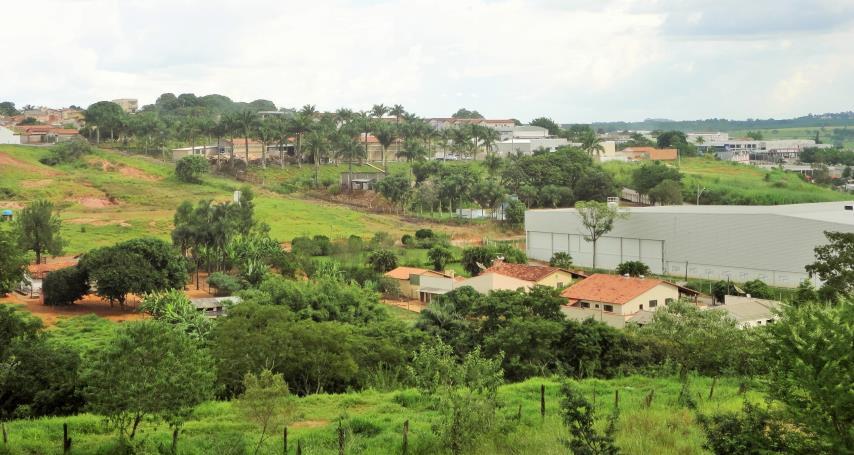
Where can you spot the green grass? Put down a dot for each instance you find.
(729, 183)
(375, 420)
(146, 194)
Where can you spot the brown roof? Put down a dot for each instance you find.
(614, 289)
(525, 272)
(653, 153)
(402, 273)
(40, 270)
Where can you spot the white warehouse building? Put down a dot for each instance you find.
(740, 243)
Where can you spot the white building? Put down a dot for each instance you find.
(8, 136)
(746, 150)
(529, 146)
(740, 243)
(748, 311)
(706, 137)
(522, 132)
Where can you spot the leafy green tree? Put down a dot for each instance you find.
(174, 307)
(547, 123)
(7, 108)
(753, 430)
(190, 168)
(835, 262)
(13, 262)
(266, 402)
(591, 143)
(38, 229)
(382, 260)
(755, 135)
(723, 288)
(465, 113)
(64, 286)
(649, 175)
(104, 115)
(598, 219)
(475, 257)
(580, 417)
(149, 369)
(810, 358)
(561, 260)
(245, 123)
(668, 192)
(67, 152)
(514, 214)
(758, 289)
(439, 256)
(633, 268)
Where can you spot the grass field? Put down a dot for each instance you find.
(732, 183)
(113, 197)
(373, 422)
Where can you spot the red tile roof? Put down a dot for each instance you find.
(613, 289)
(525, 272)
(653, 153)
(402, 273)
(40, 270)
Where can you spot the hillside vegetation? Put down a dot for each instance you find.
(729, 183)
(111, 197)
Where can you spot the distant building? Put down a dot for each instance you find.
(739, 243)
(214, 307)
(700, 138)
(749, 311)
(45, 134)
(529, 146)
(127, 104)
(422, 284)
(617, 300)
(441, 123)
(745, 150)
(541, 275)
(649, 154)
(7, 136)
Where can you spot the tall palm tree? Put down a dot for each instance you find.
(300, 125)
(246, 122)
(349, 149)
(319, 141)
(365, 127)
(397, 111)
(378, 110)
(386, 135)
(344, 115)
(489, 137)
(266, 133)
(309, 110)
(591, 143)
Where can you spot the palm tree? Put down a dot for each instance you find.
(365, 127)
(386, 135)
(397, 111)
(489, 136)
(266, 132)
(344, 115)
(247, 122)
(309, 110)
(318, 143)
(283, 135)
(300, 125)
(378, 110)
(349, 149)
(591, 143)
(413, 150)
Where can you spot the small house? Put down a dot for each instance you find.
(748, 311)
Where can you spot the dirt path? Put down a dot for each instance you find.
(90, 304)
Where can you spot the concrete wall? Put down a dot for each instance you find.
(488, 282)
(580, 314)
(8, 136)
(558, 279)
(660, 294)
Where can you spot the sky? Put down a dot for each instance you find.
(571, 60)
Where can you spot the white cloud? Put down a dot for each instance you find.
(574, 61)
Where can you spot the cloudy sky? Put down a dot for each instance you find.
(573, 60)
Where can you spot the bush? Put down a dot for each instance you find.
(754, 430)
(64, 286)
(324, 245)
(424, 234)
(190, 168)
(406, 239)
(224, 284)
(477, 255)
(381, 240)
(514, 214)
(723, 288)
(320, 245)
(67, 152)
(633, 268)
(439, 256)
(382, 260)
(758, 289)
(389, 286)
(561, 260)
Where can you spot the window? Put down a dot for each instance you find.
(653, 303)
(668, 301)
(597, 305)
(769, 321)
(584, 304)
(640, 307)
(609, 307)
(559, 284)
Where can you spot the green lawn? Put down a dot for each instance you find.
(730, 183)
(373, 422)
(112, 197)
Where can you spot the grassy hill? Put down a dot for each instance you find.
(731, 183)
(112, 197)
(373, 422)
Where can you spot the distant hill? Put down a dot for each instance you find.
(719, 124)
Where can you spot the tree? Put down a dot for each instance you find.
(64, 286)
(394, 187)
(67, 152)
(149, 369)
(7, 108)
(633, 268)
(38, 229)
(547, 123)
(810, 358)
(174, 307)
(591, 143)
(266, 402)
(514, 214)
(386, 135)
(561, 260)
(668, 192)
(723, 288)
(104, 115)
(317, 141)
(135, 266)
(13, 262)
(598, 219)
(649, 175)
(475, 257)
(466, 114)
(755, 135)
(579, 416)
(190, 168)
(439, 256)
(758, 289)
(834, 263)
(382, 260)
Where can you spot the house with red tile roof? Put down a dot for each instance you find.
(423, 284)
(542, 275)
(617, 300)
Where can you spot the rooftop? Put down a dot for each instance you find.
(525, 272)
(614, 289)
(747, 308)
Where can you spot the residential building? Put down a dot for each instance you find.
(522, 132)
(214, 307)
(529, 146)
(740, 243)
(617, 300)
(749, 311)
(127, 104)
(701, 138)
(542, 275)
(487, 282)
(746, 150)
(45, 134)
(422, 284)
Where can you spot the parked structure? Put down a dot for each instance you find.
(749, 311)
(617, 300)
(740, 243)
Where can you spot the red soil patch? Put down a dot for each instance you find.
(96, 202)
(11, 205)
(136, 173)
(6, 160)
(90, 304)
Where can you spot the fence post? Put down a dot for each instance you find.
(405, 437)
(543, 401)
(340, 439)
(616, 398)
(285, 440)
(299, 446)
(66, 442)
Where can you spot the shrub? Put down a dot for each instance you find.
(477, 255)
(723, 288)
(424, 234)
(67, 152)
(439, 256)
(406, 239)
(324, 245)
(381, 240)
(754, 430)
(561, 260)
(190, 168)
(633, 268)
(510, 253)
(758, 289)
(64, 286)
(382, 260)
(389, 286)
(225, 284)
(514, 214)
(306, 246)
